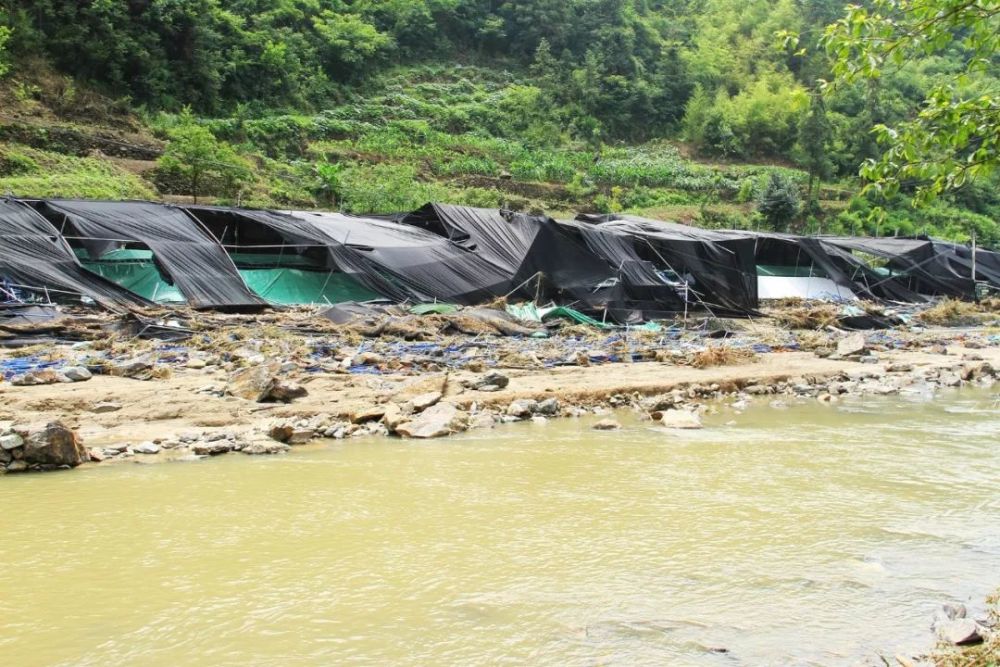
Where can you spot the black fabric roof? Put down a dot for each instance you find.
(522, 246)
(934, 268)
(721, 267)
(33, 255)
(183, 250)
(418, 265)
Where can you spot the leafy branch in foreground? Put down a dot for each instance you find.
(955, 137)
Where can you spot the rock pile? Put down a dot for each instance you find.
(40, 447)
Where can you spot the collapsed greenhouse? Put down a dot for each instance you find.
(129, 255)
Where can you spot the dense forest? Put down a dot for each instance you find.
(699, 109)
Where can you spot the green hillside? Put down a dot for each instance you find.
(694, 111)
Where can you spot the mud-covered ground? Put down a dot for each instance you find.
(263, 383)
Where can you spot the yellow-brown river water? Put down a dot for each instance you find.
(813, 535)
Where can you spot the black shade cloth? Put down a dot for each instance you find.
(409, 262)
(541, 257)
(928, 266)
(34, 255)
(186, 254)
(720, 268)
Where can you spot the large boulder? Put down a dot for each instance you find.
(434, 422)
(55, 444)
(263, 383)
(522, 408)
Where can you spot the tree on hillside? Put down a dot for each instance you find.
(4, 37)
(814, 138)
(196, 156)
(955, 137)
(778, 202)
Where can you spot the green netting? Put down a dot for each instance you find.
(295, 286)
(138, 276)
(790, 271)
(530, 313)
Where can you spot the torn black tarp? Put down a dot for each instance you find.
(413, 263)
(34, 258)
(543, 260)
(718, 268)
(185, 253)
(922, 265)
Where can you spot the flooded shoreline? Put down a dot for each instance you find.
(825, 537)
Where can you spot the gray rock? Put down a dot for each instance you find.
(490, 382)
(11, 441)
(369, 414)
(77, 373)
(146, 448)
(423, 401)
(853, 344)
(434, 422)
(55, 444)
(105, 406)
(680, 419)
(393, 416)
(253, 384)
(482, 420)
(522, 408)
(606, 425)
(264, 448)
(17, 466)
(949, 379)
(32, 378)
(301, 436)
(138, 368)
(549, 407)
(212, 448)
(286, 392)
(195, 363)
(960, 632)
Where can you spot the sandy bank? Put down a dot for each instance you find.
(192, 402)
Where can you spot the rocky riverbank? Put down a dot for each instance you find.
(261, 390)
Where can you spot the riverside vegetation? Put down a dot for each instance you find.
(697, 112)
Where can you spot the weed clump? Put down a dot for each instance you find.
(951, 313)
(722, 356)
(818, 316)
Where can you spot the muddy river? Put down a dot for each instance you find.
(808, 535)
